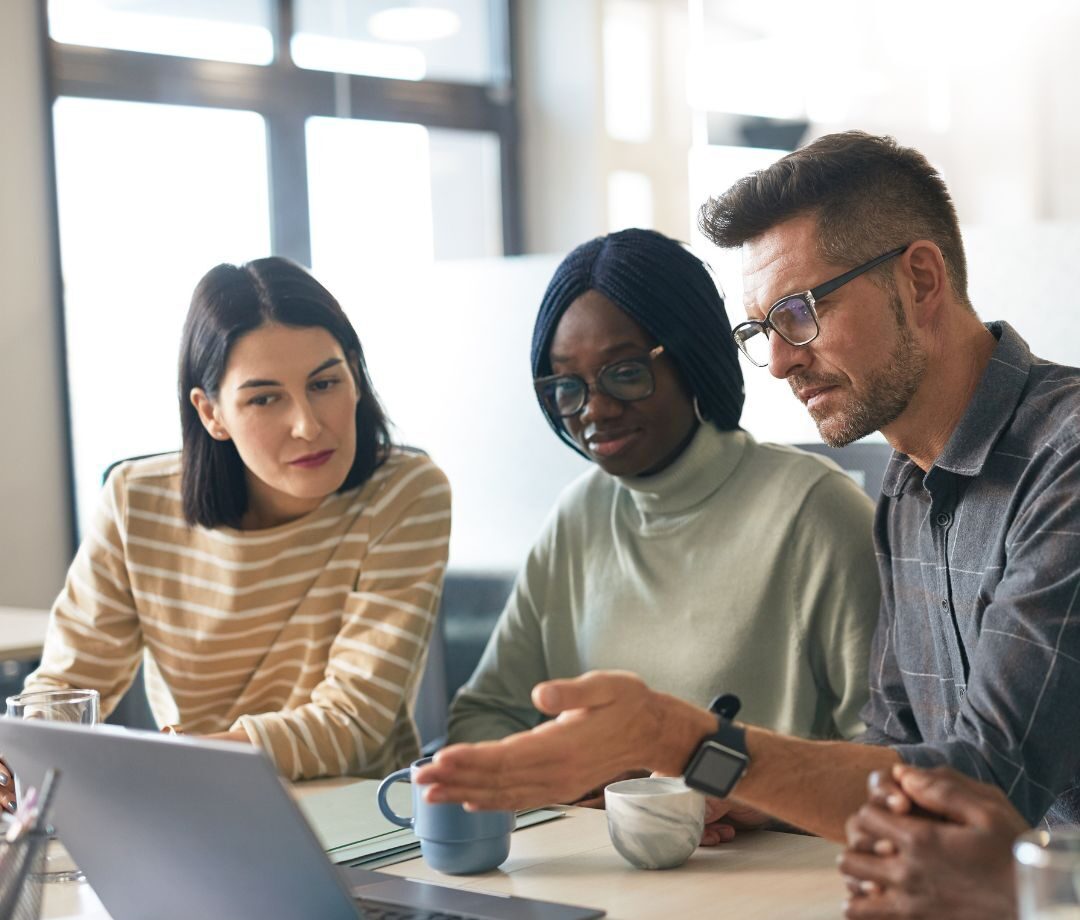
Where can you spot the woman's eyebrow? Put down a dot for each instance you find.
(328, 363)
(256, 382)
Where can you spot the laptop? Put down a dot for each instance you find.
(180, 827)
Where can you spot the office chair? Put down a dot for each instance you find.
(470, 607)
(133, 710)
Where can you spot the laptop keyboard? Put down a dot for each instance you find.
(378, 910)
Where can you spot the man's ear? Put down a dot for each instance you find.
(924, 272)
(208, 414)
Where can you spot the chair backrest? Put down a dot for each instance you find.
(112, 466)
(471, 604)
(133, 710)
(864, 462)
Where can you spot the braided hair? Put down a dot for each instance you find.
(671, 294)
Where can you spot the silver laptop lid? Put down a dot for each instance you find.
(174, 827)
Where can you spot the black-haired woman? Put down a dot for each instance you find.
(692, 555)
(279, 578)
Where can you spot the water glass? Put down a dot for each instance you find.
(1048, 874)
(75, 706)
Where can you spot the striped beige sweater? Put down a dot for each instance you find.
(310, 636)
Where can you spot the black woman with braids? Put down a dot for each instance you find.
(692, 555)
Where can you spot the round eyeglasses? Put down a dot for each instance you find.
(565, 395)
(794, 317)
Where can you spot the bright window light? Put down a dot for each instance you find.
(150, 197)
(414, 24)
(628, 70)
(343, 55)
(219, 30)
(630, 200)
(457, 40)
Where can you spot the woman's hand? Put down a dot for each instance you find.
(723, 817)
(7, 788)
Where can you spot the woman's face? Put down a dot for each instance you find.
(287, 400)
(624, 438)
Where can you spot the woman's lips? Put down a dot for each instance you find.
(609, 445)
(310, 461)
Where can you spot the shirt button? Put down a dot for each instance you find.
(944, 603)
(944, 520)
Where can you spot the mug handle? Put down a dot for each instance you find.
(384, 806)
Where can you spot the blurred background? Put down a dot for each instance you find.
(432, 161)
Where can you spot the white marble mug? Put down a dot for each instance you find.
(654, 822)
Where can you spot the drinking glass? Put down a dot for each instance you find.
(75, 706)
(1048, 874)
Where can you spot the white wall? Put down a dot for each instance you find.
(448, 352)
(33, 496)
(567, 153)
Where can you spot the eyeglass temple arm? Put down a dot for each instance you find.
(823, 290)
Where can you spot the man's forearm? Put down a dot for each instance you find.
(815, 785)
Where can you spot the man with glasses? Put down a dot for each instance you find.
(976, 658)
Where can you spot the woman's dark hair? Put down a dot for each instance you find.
(671, 294)
(229, 302)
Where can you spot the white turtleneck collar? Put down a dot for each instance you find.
(703, 466)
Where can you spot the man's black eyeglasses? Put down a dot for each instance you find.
(628, 380)
(794, 317)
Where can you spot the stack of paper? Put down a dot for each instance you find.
(354, 832)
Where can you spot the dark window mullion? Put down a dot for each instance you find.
(290, 222)
(513, 230)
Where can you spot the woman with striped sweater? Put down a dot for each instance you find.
(280, 576)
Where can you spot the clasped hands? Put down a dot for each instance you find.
(930, 844)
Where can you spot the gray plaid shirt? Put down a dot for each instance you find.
(976, 658)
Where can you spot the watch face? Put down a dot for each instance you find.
(716, 768)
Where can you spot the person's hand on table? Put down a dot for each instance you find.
(931, 843)
(7, 788)
(725, 817)
(605, 722)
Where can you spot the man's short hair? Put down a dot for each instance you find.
(868, 193)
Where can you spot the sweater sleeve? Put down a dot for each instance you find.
(838, 593)
(93, 640)
(497, 699)
(378, 654)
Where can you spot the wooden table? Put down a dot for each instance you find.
(22, 633)
(759, 876)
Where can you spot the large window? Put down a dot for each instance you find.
(356, 136)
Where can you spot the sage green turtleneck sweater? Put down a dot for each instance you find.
(741, 568)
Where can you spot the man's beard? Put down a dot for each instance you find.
(880, 400)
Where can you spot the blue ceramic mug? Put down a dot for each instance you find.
(452, 840)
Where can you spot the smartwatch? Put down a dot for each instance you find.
(720, 759)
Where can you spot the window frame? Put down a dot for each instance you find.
(285, 95)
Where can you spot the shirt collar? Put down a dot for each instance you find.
(706, 463)
(990, 410)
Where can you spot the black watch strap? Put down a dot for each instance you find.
(720, 759)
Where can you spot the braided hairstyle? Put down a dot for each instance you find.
(671, 294)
